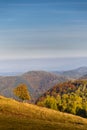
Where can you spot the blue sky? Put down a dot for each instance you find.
(32, 29)
(43, 28)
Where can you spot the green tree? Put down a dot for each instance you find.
(71, 103)
(50, 102)
(64, 102)
(74, 103)
(21, 92)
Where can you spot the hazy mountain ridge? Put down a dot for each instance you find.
(84, 77)
(73, 74)
(10, 73)
(38, 82)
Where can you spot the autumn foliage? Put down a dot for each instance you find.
(21, 92)
(70, 97)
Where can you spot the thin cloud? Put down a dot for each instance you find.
(47, 3)
(7, 19)
(67, 11)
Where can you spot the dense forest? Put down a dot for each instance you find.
(70, 97)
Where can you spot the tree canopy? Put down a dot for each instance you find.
(70, 97)
(21, 91)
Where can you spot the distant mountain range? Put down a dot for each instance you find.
(38, 82)
(10, 73)
(83, 77)
(73, 74)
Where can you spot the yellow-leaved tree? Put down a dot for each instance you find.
(21, 91)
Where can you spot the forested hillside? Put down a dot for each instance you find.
(70, 97)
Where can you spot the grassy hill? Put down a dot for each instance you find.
(22, 116)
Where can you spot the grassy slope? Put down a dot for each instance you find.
(23, 116)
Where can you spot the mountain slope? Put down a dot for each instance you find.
(38, 82)
(73, 74)
(16, 115)
(70, 97)
(84, 77)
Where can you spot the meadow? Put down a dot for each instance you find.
(23, 116)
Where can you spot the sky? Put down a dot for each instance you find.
(42, 29)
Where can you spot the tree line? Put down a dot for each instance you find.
(71, 99)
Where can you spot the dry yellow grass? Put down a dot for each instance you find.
(23, 116)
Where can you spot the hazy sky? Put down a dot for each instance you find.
(35, 34)
(43, 28)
